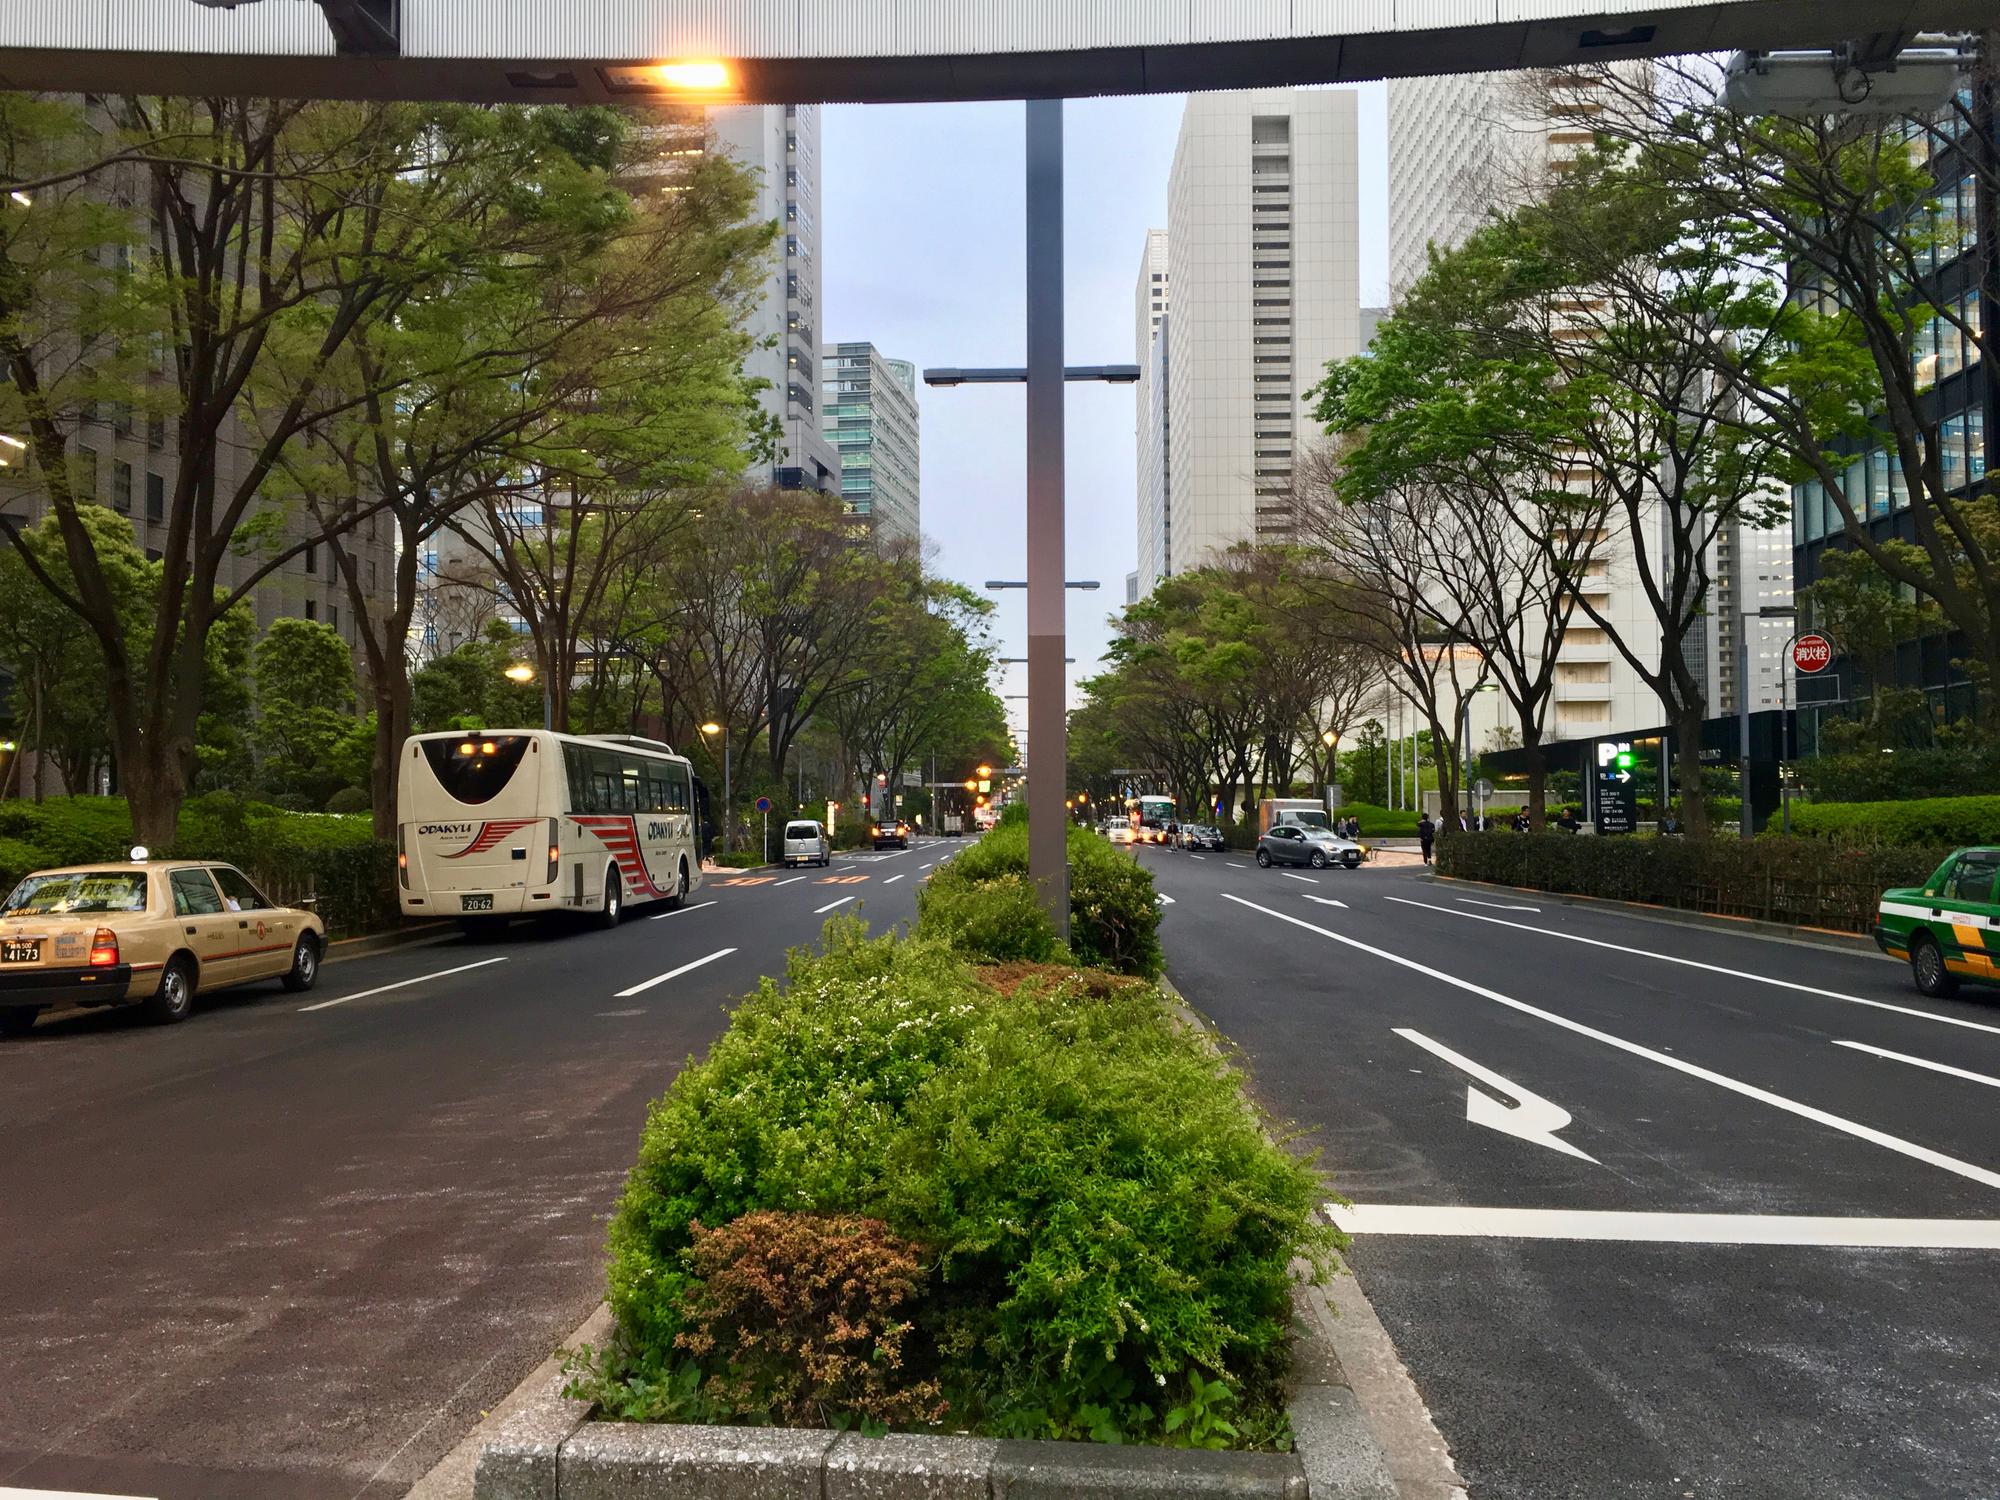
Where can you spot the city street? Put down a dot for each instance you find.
(1698, 1239)
(295, 1246)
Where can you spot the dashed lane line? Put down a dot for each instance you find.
(894, 878)
(1306, 878)
(783, 883)
(1855, 1128)
(1923, 1062)
(383, 989)
(646, 984)
(1692, 963)
(818, 910)
(680, 911)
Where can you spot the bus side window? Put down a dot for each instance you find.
(678, 797)
(576, 766)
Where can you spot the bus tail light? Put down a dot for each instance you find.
(402, 860)
(555, 851)
(104, 949)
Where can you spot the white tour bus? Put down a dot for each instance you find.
(518, 822)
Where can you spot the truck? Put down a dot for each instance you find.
(952, 825)
(1303, 811)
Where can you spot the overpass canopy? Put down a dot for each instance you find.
(595, 51)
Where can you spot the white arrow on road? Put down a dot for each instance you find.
(1163, 898)
(1533, 1119)
(1323, 900)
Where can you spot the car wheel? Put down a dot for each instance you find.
(1927, 965)
(1352, 861)
(18, 1020)
(304, 973)
(1264, 858)
(614, 900)
(174, 999)
(1318, 860)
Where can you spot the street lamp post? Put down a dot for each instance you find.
(728, 805)
(1048, 852)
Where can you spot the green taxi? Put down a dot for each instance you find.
(1949, 929)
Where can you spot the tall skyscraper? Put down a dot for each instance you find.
(1149, 318)
(868, 410)
(780, 142)
(1262, 263)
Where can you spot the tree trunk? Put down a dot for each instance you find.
(392, 727)
(154, 790)
(1687, 772)
(1538, 777)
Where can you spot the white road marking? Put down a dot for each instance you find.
(1234, 865)
(609, 1013)
(1496, 905)
(932, 863)
(832, 904)
(1854, 1128)
(13, 1494)
(647, 984)
(1923, 1062)
(680, 911)
(1533, 1119)
(1197, 856)
(793, 881)
(1670, 958)
(1669, 1228)
(894, 878)
(1163, 898)
(1324, 900)
(383, 989)
(1306, 878)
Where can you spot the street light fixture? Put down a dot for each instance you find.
(728, 803)
(523, 673)
(1744, 818)
(1014, 583)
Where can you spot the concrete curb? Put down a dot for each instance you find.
(1780, 932)
(382, 942)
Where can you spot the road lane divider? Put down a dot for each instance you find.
(894, 878)
(1694, 963)
(1290, 875)
(647, 984)
(1976, 1173)
(1232, 864)
(679, 911)
(402, 984)
(1324, 900)
(1667, 1228)
(1923, 1062)
(818, 910)
(783, 883)
(1197, 856)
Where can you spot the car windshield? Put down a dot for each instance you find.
(78, 893)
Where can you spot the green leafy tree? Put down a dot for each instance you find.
(469, 688)
(304, 676)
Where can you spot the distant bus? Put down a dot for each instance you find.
(1150, 817)
(526, 822)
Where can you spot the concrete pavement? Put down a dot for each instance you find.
(1703, 1123)
(292, 1248)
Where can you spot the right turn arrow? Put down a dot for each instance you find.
(1532, 1119)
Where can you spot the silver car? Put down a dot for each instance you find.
(806, 843)
(1293, 844)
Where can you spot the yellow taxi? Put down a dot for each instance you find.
(148, 933)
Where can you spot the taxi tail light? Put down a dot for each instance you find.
(402, 859)
(555, 852)
(104, 949)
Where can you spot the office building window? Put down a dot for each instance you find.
(333, 615)
(312, 609)
(86, 473)
(121, 486)
(156, 497)
(312, 557)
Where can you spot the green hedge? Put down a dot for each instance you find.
(1802, 882)
(1960, 772)
(1052, 1194)
(289, 855)
(1114, 916)
(1930, 821)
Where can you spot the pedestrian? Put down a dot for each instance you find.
(1521, 822)
(1426, 835)
(1567, 822)
(1670, 824)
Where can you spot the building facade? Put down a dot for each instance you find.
(780, 143)
(1262, 267)
(868, 411)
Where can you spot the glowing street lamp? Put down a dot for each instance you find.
(523, 673)
(728, 806)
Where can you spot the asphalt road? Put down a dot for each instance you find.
(292, 1248)
(1634, 1081)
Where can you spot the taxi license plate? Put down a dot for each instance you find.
(475, 903)
(12, 952)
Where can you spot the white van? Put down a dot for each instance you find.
(806, 843)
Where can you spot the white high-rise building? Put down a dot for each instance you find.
(780, 142)
(1461, 148)
(1263, 276)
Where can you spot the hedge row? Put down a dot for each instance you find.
(1964, 771)
(336, 859)
(1928, 821)
(1802, 882)
(906, 1191)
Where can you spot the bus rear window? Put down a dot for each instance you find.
(474, 769)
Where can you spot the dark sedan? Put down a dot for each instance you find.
(1198, 836)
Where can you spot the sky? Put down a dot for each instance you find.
(922, 255)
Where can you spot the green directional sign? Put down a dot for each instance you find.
(1615, 803)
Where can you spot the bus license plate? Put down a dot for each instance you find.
(29, 952)
(475, 903)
